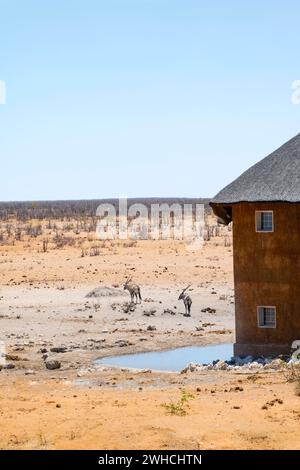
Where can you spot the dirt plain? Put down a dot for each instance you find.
(65, 291)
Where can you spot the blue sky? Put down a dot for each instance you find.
(142, 97)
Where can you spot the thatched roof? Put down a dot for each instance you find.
(275, 178)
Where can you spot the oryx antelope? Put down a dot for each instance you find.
(134, 291)
(186, 300)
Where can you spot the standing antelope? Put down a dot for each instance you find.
(186, 300)
(134, 291)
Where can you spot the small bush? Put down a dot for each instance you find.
(181, 407)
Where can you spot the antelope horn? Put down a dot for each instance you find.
(187, 288)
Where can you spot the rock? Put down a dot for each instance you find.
(276, 364)
(149, 313)
(43, 350)
(255, 366)
(60, 349)
(105, 292)
(9, 366)
(12, 357)
(121, 343)
(128, 307)
(209, 309)
(221, 365)
(191, 367)
(151, 328)
(260, 360)
(52, 364)
(168, 310)
(293, 363)
(241, 361)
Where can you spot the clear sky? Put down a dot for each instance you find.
(109, 98)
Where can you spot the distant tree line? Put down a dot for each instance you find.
(28, 210)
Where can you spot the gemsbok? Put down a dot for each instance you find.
(134, 291)
(186, 300)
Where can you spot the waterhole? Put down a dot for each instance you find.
(172, 359)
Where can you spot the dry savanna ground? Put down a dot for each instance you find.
(62, 299)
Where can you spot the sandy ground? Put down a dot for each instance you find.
(226, 411)
(44, 304)
(44, 301)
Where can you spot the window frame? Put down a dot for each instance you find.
(257, 230)
(258, 316)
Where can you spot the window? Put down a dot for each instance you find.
(266, 317)
(264, 221)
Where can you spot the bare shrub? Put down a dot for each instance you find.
(291, 373)
(33, 231)
(130, 244)
(61, 240)
(68, 227)
(18, 234)
(95, 250)
(227, 241)
(45, 245)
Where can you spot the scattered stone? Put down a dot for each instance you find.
(151, 328)
(60, 349)
(122, 343)
(267, 405)
(236, 389)
(243, 364)
(12, 357)
(191, 367)
(9, 366)
(276, 364)
(169, 311)
(221, 365)
(239, 361)
(52, 364)
(128, 307)
(209, 309)
(149, 313)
